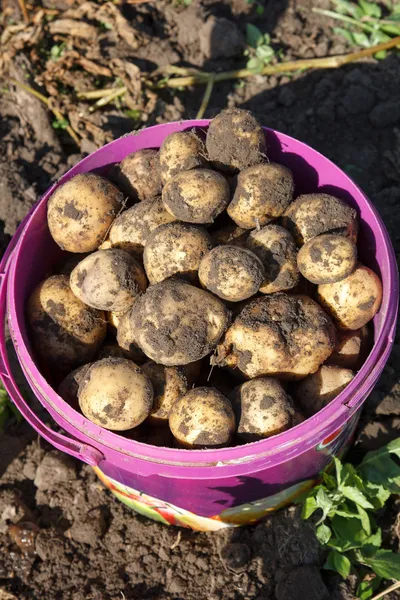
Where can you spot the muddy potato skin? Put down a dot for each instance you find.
(132, 227)
(317, 390)
(169, 383)
(181, 151)
(235, 140)
(202, 418)
(81, 211)
(108, 280)
(327, 258)
(313, 214)
(113, 319)
(65, 332)
(277, 251)
(196, 196)
(175, 249)
(353, 301)
(231, 272)
(351, 348)
(262, 409)
(175, 323)
(126, 338)
(68, 388)
(231, 234)
(262, 194)
(138, 175)
(116, 394)
(281, 335)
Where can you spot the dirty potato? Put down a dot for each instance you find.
(169, 383)
(327, 258)
(181, 151)
(138, 175)
(317, 390)
(351, 348)
(68, 388)
(126, 338)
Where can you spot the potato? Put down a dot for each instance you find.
(175, 249)
(138, 175)
(126, 338)
(108, 280)
(169, 383)
(68, 388)
(262, 194)
(280, 335)
(235, 140)
(175, 323)
(262, 408)
(116, 394)
(312, 214)
(65, 332)
(196, 196)
(353, 301)
(351, 348)
(202, 418)
(181, 151)
(132, 228)
(277, 251)
(81, 211)
(113, 319)
(317, 390)
(327, 258)
(231, 234)
(231, 272)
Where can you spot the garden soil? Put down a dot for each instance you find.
(62, 535)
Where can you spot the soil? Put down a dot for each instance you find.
(72, 539)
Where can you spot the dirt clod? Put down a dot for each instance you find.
(54, 469)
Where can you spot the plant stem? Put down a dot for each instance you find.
(95, 94)
(107, 99)
(206, 98)
(393, 587)
(47, 102)
(22, 6)
(345, 18)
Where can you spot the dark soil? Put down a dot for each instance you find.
(73, 539)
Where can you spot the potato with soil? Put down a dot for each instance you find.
(317, 390)
(280, 335)
(175, 323)
(262, 194)
(231, 272)
(277, 251)
(235, 140)
(113, 319)
(175, 249)
(116, 394)
(138, 175)
(132, 228)
(262, 409)
(202, 418)
(126, 338)
(68, 388)
(181, 151)
(353, 301)
(196, 196)
(65, 332)
(351, 348)
(230, 234)
(313, 214)
(327, 258)
(81, 211)
(108, 280)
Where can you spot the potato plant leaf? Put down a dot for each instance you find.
(378, 467)
(253, 35)
(338, 562)
(385, 563)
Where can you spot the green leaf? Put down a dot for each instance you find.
(323, 534)
(266, 53)
(338, 470)
(370, 9)
(380, 55)
(378, 467)
(309, 507)
(323, 502)
(338, 562)
(385, 563)
(365, 522)
(344, 33)
(361, 39)
(367, 588)
(253, 35)
(255, 64)
(356, 496)
(329, 481)
(348, 8)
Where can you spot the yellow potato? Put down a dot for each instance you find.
(351, 348)
(126, 338)
(317, 390)
(327, 258)
(81, 211)
(181, 151)
(113, 319)
(138, 175)
(169, 383)
(231, 234)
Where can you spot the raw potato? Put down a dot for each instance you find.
(312, 214)
(138, 175)
(235, 140)
(262, 409)
(277, 251)
(196, 196)
(320, 388)
(231, 234)
(81, 211)
(353, 301)
(280, 335)
(169, 383)
(263, 193)
(116, 394)
(68, 388)
(126, 338)
(132, 228)
(175, 249)
(181, 151)
(231, 272)
(327, 258)
(65, 332)
(351, 347)
(113, 319)
(175, 323)
(108, 280)
(202, 418)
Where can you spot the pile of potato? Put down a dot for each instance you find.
(204, 305)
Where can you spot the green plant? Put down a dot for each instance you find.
(7, 409)
(349, 500)
(60, 124)
(363, 22)
(57, 51)
(258, 6)
(259, 50)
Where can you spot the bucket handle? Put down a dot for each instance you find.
(71, 446)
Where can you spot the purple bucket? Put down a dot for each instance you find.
(207, 489)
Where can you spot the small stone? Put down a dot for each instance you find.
(221, 38)
(177, 585)
(235, 556)
(302, 582)
(385, 114)
(54, 469)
